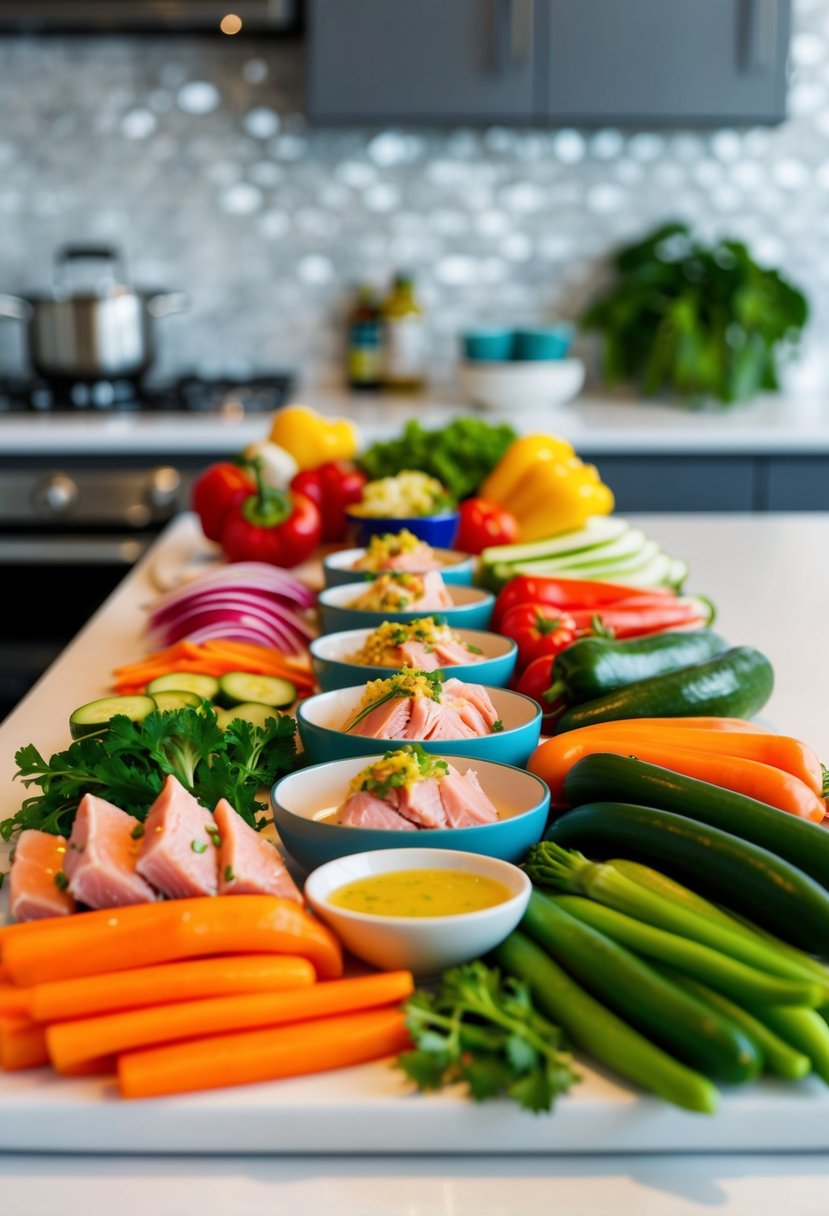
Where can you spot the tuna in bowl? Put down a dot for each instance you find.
(403, 597)
(419, 707)
(341, 660)
(396, 551)
(454, 803)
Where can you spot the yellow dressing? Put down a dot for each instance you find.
(421, 893)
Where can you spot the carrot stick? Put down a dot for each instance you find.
(145, 934)
(171, 982)
(22, 1044)
(70, 1043)
(263, 1055)
(15, 1001)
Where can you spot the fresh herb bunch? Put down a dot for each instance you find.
(460, 455)
(128, 763)
(482, 1030)
(696, 320)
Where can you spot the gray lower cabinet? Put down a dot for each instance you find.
(795, 483)
(679, 483)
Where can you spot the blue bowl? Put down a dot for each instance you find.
(300, 799)
(328, 653)
(551, 343)
(439, 530)
(337, 569)
(319, 720)
(489, 345)
(471, 609)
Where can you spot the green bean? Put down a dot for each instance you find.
(803, 1029)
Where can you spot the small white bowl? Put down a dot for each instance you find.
(517, 387)
(424, 945)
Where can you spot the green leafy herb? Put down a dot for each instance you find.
(61, 881)
(229, 875)
(213, 833)
(128, 763)
(3, 876)
(497, 726)
(198, 846)
(460, 455)
(138, 831)
(700, 321)
(482, 1030)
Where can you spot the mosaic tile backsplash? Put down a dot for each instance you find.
(193, 156)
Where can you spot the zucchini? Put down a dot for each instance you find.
(602, 530)
(735, 684)
(176, 698)
(93, 717)
(594, 666)
(625, 779)
(205, 687)
(242, 688)
(255, 714)
(743, 876)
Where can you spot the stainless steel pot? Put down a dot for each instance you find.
(101, 332)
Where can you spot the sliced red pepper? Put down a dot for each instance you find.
(220, 488)
(484, 523)
(538, 629)
(568, 593)
(275, 526)
(632, 619)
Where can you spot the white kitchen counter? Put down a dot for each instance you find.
(770, 579)
(598, 425)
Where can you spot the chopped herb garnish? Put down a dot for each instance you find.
(138, 831)
(400, 767)
(229, 875)
(3, 876)
(497, 726)
(198, 846)
(61, 881)
(473, 649)
(213, 833)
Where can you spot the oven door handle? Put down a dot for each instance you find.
(73, 550)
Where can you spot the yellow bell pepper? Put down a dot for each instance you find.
(311, 438)
(548, 489)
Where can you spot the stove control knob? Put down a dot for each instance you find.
(163, 488)
(54, 496)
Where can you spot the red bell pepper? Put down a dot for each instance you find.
(220, 488)
(484, 523)
(569, 593)
(538, 629)
(280, 527)
(332, 487)
(536, 680)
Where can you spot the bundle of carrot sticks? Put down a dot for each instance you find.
(191, 994)
(213, 658)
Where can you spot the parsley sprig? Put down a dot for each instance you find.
(483, 1031)
(128, 762)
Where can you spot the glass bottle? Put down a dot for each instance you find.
(404, 338)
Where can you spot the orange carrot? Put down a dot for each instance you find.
(145, 934)
(263, 1055)
(171, 982)
(70, 1043)
(22, 1044)
(15, 1001)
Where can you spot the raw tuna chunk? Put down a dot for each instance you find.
(434, 720)
(451, 654)
(248, 863)
(101, 857)
(366, 810)
(178, 855)
(386, 721)
(419, 657)
(435, 593)
(415, 561)
(33, 893)
(421, 803)
(471, 717)
(476, 694)
(464, 802)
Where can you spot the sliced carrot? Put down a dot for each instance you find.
(171, 982)
(15, 1001)
(22, 1044)
(263, 1055)
(101, 1066)
(70, 1043)
(145, 934)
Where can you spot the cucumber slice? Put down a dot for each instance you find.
(176, 698)
(601, 530)
(93, 717)
(251, 712)
(242, 688)
(677, 573)
(629, 546)
(205, 687)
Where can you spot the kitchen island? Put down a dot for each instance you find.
(770, 582)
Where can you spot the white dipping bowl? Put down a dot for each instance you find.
(517, 387)
(424, 945)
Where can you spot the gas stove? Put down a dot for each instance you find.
(227, 396)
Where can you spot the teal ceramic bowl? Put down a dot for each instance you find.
(488, 345)
(471, 609)
(494, 667)
(437, 530)
(301, 801)
(320, 718)
(551, 343)
(337, 568)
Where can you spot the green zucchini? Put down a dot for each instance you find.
(256, 715)
(736, 684)
(624, 779)
(205, 687)
(592, 667)
(95, 715)
(244, 688)
(746, 878)
(176, 698)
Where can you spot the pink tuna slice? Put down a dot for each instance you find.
(33, 893)
(416, 561)
(386, 721)
(476, 694)
(101, 857)
(433, 720)
(464, 802)
(366, 810)
(451, 654)
(248, 863)
(421, 803)
(419, 657)
(435, 594)
(470, 716)
(178, 854)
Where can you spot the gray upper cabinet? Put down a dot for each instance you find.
(683, 62)
(582, 62)
(434, 61)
